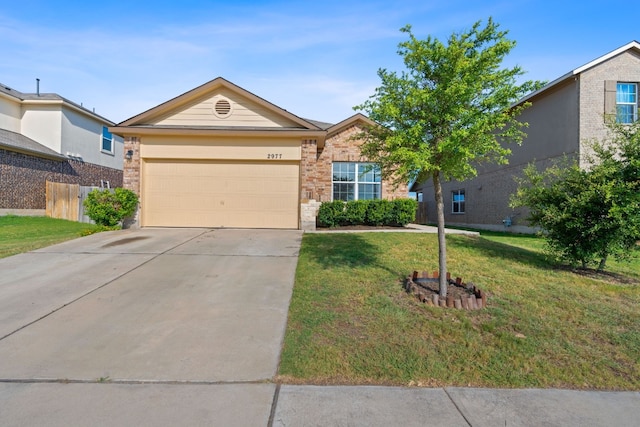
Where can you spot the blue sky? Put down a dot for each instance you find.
(315, 59)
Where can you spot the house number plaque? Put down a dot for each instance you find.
(274, 156)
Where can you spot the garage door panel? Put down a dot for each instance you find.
(220, 194)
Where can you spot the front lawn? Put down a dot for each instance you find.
(350, 322)
(26, 233)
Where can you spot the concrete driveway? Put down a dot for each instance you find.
(177, 308)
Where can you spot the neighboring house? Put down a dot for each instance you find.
(564, 115)
(220, 156)
(45, 137)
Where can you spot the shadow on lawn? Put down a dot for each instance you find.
(354, 250)
(341, 250)
(506, 251)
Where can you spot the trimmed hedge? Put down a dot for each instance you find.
(398, 213)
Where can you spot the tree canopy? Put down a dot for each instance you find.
(450, 109)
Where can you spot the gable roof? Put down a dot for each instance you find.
(13, 141)
(355, 119)
(633, 45)
(144, 118)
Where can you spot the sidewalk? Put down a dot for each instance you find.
(42, 403)
(451, 406)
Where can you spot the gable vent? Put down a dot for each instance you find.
(222, 108)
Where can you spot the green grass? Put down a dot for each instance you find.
(20, 234)
(350, 322)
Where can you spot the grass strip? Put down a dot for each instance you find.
(20, 234)
(350, 322)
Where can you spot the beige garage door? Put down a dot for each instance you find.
(220, 194)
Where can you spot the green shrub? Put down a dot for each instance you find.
(399, 212)
(403, 212)
(378, 212)
(355, 212)
(109, 207)
(331, 214)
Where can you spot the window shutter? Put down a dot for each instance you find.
(610, 87)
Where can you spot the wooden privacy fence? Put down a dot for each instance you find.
(65, 201)
(421, 213)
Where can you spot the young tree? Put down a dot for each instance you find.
(448, 111)
(589, 214)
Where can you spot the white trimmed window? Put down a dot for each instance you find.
(356, 181)
(626, 102)
(107, 141)
(457, 202)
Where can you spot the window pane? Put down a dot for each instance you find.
(107, 139)
(368, 173)
(343, 192)
(626, 93)
(457, 201)
(345, 172)
(625, 113)
(368, 191)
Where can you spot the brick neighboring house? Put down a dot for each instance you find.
(564, 115)
(45, 137)
(220, 156)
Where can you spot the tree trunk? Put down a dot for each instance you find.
(442, 243)
(603, 264)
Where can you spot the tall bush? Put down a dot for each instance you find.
(109, 207)
(589, 214)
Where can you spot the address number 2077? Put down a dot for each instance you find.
(273, 156)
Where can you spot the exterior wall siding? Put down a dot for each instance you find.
(244, 113)
(82, 136)
(622, 68)
(23, 177)
(10, 113)
(43, 123)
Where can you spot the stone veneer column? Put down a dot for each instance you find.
(131, 175)
(308, 204)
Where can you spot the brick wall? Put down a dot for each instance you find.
(131, 176)
(23, 177)
(131, 168)
(342, 147)
(308, 171)
(487, 199)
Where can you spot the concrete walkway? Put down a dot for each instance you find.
(184, 327)
(410, 228)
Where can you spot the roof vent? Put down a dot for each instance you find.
(222, 108)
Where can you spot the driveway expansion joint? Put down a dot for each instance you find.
(274, 406)
(457, 407)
